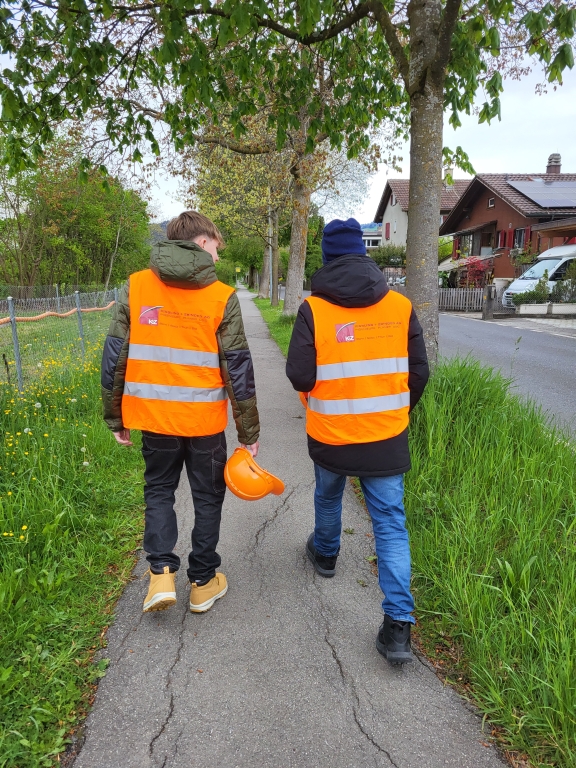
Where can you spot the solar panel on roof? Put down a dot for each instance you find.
(548, 194)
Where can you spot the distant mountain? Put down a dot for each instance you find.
(158, 231)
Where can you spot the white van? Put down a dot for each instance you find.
(555, 261)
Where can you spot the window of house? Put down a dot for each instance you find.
(394, 225)
(502, 238)
(486, 243)
(465, 246)
(519, 237)
(491, 202)
(393, 199)
(387, 231)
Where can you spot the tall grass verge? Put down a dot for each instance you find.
(70, 515)
(491, 504)
(491, 508)
(279, 325)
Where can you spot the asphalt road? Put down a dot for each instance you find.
(282, 289)
(540, 361)
(283, 671)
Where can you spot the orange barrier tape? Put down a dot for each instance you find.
(4, 320)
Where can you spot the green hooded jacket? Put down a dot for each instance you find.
(184, 264)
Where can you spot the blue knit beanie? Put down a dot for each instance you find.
(340, 238)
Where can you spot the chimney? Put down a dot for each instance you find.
(449, 172)
(554, 163)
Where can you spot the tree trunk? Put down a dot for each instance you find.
(298, 241)
(264, 292)
(252, 277)
(275, 257)
(426, 110)
(113, 258)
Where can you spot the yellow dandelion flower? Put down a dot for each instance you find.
(24, 527)
(9, 493)
(22, 538)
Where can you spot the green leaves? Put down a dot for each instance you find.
(491, 109)
(492, 41)
(10, 104)
(310, 12)
(564, 59)
(457, 158)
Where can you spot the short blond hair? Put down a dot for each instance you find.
(190, 224)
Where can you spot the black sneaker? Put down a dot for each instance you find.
(325, 566)
(393, 641)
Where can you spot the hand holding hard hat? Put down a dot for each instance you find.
(247, 480)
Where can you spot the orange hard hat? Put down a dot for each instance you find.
(247, 479)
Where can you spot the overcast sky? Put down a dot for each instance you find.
(532, 127)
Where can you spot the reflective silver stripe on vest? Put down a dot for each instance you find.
(173, 393)
(359, 405)
(333, 371)
(157, 354)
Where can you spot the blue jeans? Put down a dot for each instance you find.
(384, 499)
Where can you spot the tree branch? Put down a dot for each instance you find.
(360, 12)
(233, 146)
(389, 32)
(447, 27)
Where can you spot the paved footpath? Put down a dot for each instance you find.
(283, 671)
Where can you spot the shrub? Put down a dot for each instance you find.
(565, 290)
(389, 255)
(226, 271)
(539, 295)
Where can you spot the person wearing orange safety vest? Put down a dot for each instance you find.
(358, 357)
(175, 354)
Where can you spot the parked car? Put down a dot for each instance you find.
(555, 261)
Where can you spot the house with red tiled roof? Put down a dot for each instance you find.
(392, 212)
(498, 216)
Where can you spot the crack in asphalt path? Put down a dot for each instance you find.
(269, 520)
(260, 534)
(170, 712)
(347, 680)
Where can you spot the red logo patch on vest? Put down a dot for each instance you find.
(149, 315)
(345, 332)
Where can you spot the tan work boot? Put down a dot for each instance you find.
(203, 598)
(161, 592)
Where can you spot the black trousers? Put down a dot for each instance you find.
(204, 458)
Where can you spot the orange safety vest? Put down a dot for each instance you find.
(173, 383)
(361, 393)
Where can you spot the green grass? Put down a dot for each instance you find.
(491, 508)
(50, 343)
(491, 504)
(279, 325)
(70, 517)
